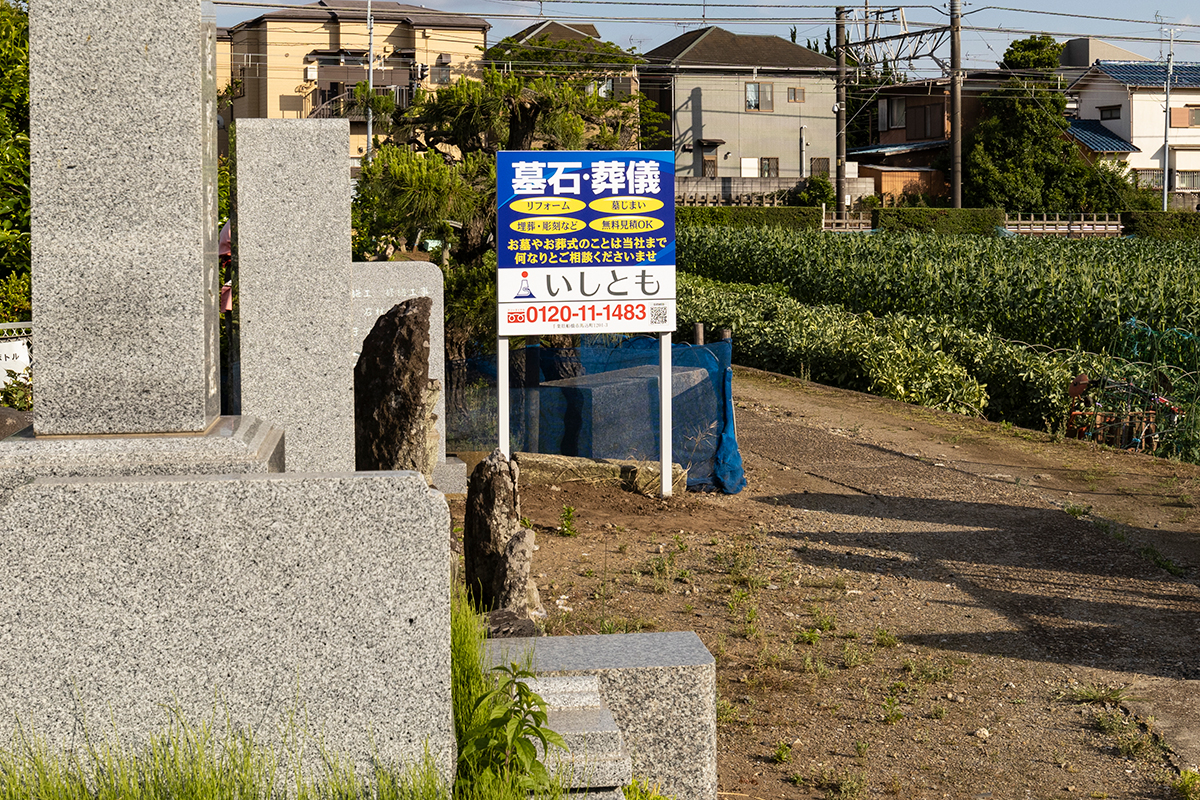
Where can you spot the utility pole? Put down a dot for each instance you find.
(370, 76)
(840, 110)
(956, 102)
(1166, 159)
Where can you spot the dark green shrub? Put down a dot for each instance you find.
(1161, 224)
(980, 221)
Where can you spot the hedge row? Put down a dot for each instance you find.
(1161, 224)
(979, 221)
(749, 216)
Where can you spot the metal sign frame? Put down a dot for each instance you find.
(586, 244)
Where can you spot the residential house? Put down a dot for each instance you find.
(912, 120)
(304, 61)
(1122, 105)
(754, 112)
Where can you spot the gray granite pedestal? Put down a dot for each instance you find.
(231, 445)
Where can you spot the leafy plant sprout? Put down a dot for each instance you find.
(566, 521)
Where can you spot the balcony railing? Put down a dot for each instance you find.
(344, 106)
(1182, 180)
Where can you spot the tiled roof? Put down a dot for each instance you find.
(558, 31)
(381, 10)
(1151, 73)
(896, 149)
(1092, 134)
(717, 47)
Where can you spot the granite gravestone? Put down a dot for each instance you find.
(123, 176)
(294, 267)
(321, 595)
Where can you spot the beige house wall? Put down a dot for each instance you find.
(270, 58)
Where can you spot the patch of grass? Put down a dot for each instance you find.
(1151, 554)
(823, 621)
(928, 672)
(1077, 511)
(885, 638)
(861, 749)
(839, 785)
(726, 713)
(891, 710)
(1096, 694)
(1187, 785)
(853, 657)
(783, 753)
(815, 666)
(640, 789)
(937, 712)
(566, 522)
(807, 636)
(736, 598)
(1132, 741)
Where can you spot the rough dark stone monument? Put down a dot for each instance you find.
(394, 398)
(497, 550)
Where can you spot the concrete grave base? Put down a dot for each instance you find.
(661, 689)
(231, 445)
(450, 476)
(323, 598)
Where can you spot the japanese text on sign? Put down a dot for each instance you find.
(590, 228)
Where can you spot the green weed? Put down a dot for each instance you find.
(566, 521)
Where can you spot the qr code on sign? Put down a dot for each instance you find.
(658, 315)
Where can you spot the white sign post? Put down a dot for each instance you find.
(586, 244)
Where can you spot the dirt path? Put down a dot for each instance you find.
(900, 602)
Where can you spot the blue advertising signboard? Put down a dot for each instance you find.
(586, 241)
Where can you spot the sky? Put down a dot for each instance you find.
(987, 29)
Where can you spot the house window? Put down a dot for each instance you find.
(895, 112)
(1194, 116)
(818, 166)
(1110, 112)
(710, 165)
(795, 94)
(926, 122)
(768, 168)
(439, 74)
(760, 97)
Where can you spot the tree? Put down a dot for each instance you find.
(14, 141)
(1019, 158)
(1036, 52)
(406, 194)
(536, 95)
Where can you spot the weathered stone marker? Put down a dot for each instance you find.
(497, 549)
(394, 398)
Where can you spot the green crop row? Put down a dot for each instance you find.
(1073, 294)
(926, 361)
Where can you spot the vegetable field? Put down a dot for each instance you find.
(1075, 294)
(987, 327)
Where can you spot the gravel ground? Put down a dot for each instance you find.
(907, 603)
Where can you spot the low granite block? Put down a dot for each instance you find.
(319, 598)
(450, 476)
(294, 267)
(232, 445)
(661, 690)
